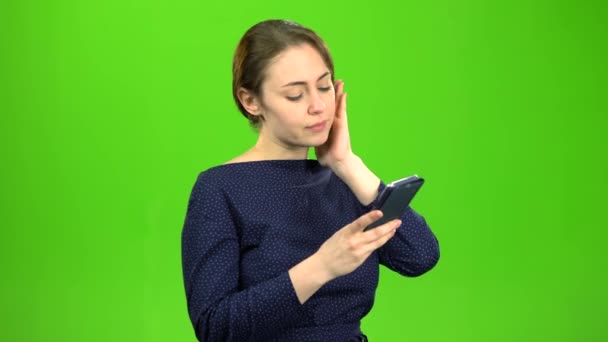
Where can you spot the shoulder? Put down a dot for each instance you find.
(208, 197)
(227, 175)
(247, 156)
(239, 159)
(227, 180)
(210, 182)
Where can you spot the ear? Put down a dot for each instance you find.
(249, 101)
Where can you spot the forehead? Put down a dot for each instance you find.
(298, 63)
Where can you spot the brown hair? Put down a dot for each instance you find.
(260, 44)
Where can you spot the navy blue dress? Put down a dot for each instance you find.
(248, 223)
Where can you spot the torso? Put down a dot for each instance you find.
(283, 211)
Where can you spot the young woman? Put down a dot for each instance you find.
(273, 244)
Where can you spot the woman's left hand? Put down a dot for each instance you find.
(336, 150)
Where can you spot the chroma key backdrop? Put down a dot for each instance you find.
(110, 109)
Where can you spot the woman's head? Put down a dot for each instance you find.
(283, 77)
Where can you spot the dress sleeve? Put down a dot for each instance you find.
(414, 249)
(218, 308)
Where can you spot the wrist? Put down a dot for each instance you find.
(361, 180)
(309, 276)
(319, 270)
(346, 166)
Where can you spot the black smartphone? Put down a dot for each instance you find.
(395, 198)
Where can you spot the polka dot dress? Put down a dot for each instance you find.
(248, 223)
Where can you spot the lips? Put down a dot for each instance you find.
(319, 126)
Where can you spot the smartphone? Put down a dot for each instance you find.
(395, 198)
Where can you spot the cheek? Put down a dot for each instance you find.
(330, 103)
(285, 116)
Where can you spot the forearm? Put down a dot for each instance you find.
(414, 249)
(307, 277)
(361, 180)
(255, 313)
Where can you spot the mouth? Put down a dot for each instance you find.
(319, 126)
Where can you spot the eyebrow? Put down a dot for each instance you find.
(302, 82)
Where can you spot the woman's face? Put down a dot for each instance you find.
(298, 99)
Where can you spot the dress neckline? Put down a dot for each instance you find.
(275, 172)
(289, 163)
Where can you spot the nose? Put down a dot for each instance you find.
(317, 106)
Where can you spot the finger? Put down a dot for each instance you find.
(338, 86)
(365, 220)
(384, 233)
(341, 106)
(380, 242)
(382, 230)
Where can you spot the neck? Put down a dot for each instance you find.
(269, 149)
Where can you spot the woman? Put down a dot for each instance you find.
(273, 245)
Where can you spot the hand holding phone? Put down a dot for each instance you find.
(395, 198)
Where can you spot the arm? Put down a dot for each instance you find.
(414, 249)
(361, 180)
(218, 309)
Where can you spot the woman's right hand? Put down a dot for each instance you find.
(350, 246)
(341, 254)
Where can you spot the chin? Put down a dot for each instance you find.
(318, 141)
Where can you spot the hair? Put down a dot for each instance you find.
(256, 50)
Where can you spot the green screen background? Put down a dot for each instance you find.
(109, 110)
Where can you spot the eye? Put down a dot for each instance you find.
(294, 98)
(325, 89)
